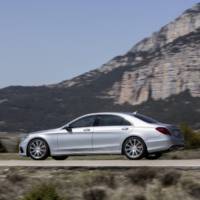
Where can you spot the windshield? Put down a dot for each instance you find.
(144, 118)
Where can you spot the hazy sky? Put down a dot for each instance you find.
(47, 41)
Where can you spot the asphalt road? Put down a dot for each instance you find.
(101, 163)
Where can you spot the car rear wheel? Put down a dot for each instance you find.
(59, 157)
(38, 149)
(134, 148)
(153, 156)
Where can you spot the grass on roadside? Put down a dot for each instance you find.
(99, 184)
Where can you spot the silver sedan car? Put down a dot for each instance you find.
(131, 134)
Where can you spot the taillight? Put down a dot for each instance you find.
(163, 130)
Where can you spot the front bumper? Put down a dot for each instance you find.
(23, 149)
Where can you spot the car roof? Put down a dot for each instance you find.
(108, 113)
(127, 115)
(130, 116)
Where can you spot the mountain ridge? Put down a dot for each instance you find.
(160, 80)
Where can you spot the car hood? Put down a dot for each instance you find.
(49, 131)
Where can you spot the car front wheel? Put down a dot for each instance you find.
(38, 149)
(134, 148)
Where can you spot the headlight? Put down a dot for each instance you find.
(23, 137)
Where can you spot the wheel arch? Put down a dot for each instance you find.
(136, 136)
(41, 138)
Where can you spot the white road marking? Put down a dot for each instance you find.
(101, 163)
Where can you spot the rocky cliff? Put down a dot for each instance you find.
(169, 64)
(173, 69)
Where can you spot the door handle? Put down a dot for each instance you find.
(124, 129)
(86, 130)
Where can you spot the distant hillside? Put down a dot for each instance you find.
(159, 76)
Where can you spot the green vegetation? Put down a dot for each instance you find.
(43, 191)
(191, 187)
(28, 183)
(170, 178)
(9, 142)
(2, 148)
(14, 177)
(192, 138)
(141, 177)
(95, 193)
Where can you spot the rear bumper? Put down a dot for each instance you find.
(166, 144)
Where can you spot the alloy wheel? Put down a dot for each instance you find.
(134, 148)
(38, 149)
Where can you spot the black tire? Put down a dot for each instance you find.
(59, 157)
(153, 156)
(45, 147)
(130, 154)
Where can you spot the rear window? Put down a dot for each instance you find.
(144, 118)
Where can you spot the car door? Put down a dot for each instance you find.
(107, 133)
(78, 138)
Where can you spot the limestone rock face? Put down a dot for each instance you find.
(174, 65)
(162, 77)
(188, 22)
(162, 65)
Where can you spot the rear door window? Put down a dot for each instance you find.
(110, 120)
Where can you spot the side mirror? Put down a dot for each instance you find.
(68, 128)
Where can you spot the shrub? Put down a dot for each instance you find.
(42, 192)
(139, 197)
(142, 176)
(2, 148)
(16, 149)
(104, 179)
(95, 193)
(191, 187)
(192, 139)
(170, 178)
(15, 178)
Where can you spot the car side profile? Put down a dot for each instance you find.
(131, 134)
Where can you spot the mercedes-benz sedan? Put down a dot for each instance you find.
(131, 134)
